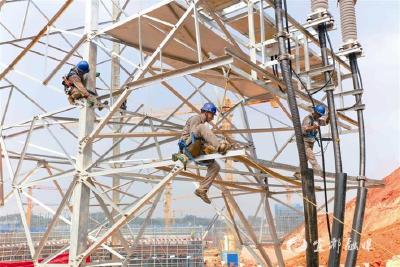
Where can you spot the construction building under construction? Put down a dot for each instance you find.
(264, 69)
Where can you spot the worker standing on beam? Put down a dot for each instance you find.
(198, 139)
(310, 125)
(74, 88)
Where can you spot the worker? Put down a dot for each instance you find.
(74, 88)
(73, 83)
(198, 139)
(310, 125)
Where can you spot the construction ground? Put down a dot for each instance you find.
(103, 173)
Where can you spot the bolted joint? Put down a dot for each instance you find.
(281, 34)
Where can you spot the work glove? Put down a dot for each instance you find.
(223, 147)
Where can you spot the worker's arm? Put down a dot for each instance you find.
(307, 126)
(324, 120)
(79, 85)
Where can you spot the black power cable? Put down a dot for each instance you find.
(361, 84)
(319, 140)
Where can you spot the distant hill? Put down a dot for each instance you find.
(381, 227)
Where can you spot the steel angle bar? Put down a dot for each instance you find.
(100, 195)
(205, 65)
(243, 233)
(7, 158)
(64, 60)
(219, 182)
(4, 113)
(140, 148)
(116, 188)
(147, 219)
(132, 211)
(247, 226)
(232, 217)
(54, 220)
(124, 95)
(27, 140)
(311, 36)
(61, 146)
(176, 133)
(63, 174)
(163, 163)
(117, 142)
(24, 221)
(36, 38)
(50, 33)
(29, 174)
(134, 16)
(40, 116)
(102, 202)
(45, 261)
(65, 220)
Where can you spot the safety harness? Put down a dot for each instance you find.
(313, 133)
(67, 83)
(192, 148)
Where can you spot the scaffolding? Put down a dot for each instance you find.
(162, 53)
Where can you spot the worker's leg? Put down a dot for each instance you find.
(75, 94)
(70, 100)
(212, 172)
(203, 131)
(311, 156)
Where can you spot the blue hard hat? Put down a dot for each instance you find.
(83, 66)
(320, 109)
(209, 107)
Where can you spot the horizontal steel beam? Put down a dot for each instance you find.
(163, 163)
(170, 133)
(205, 65)
(35, 39)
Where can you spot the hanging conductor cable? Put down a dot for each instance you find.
(307, 176)
(352, 49)
(319, 10)
(319, 137)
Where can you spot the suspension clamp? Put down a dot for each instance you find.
(329, 88)
(361, 178)
(320, 17)
(286, 56)
(351, 48)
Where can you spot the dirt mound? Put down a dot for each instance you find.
(380, 239)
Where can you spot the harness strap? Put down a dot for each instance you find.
(183, 148)
(313, 133)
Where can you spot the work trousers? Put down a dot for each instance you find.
(212, 173)
(311, 156)
(213, 168)
(75, 95)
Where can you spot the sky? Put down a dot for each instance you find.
(378, 32)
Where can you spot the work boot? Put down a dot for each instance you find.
(182, 158)
(203, 195)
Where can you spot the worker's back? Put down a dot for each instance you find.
(191, 123)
